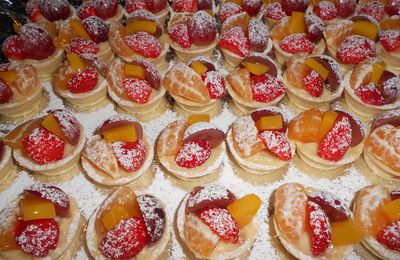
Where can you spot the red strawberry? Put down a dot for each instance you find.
(130, 155)
(5, 92)
(337, 141)
(266, 88)
(37, 237)
(325, 10)
(228, 9)
(84, 81)
(126, 240)
(43, 147)
(182, 6)
(390, 40)
(137, 90)
(274, 11)
(390, 236)
(85, 10)
(193, 154)
(179, 33)
(355, 49)
(370, 94)
(80, 46)
(32, 10)
(374, 9)
(236, 41)
(320, 229)
(221, 222)
(133, 5)
(96, 28)
(144, 44)
(297, 42)
(156, 6)
(12, 48)
(215, 84)
(313, 83)
(277, 143)
(105, 9)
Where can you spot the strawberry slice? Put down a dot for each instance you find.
(236, 41)
(390, 236)
(193, 154)
(370, 94)
(297, 42)
(85, 10)
(215, 84)
(133, 5)
(227, 10)
(266, 88)
(179, 33)
(13, 48)
(390, 40)
(37, 237)
(43, 147)
(32, 10)
(374, 9)
(274, 11)
(144, 44)
(337, 141)
(182, 6)
(355, 49)
(320, 229)
(313, 83)
(130, 155)
(5, 92)
(221, 222)
(81, 46)
(137, 90)
(84, 81)
(126, 240)
(277, 143)
(325, 10)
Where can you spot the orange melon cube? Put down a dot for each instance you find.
(269, 123)
(8, 76)
(392, 210)
(244, 209)
(133, 70)
(75, 61)
(256, 68)
(79, 29)
(377, 71)
(345, 233)
(366, 29)
(315, 65)
(199, 67)
(141, 26)
(297, 23)
(34, 207)
(125, 133)
(327, 122)
(193, 119)
(114, 215)
(51, 124)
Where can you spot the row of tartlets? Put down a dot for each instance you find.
(213, 222)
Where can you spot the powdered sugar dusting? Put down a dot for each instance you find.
(192, 129)
(53, 194)
(274, 11)
(208, 192)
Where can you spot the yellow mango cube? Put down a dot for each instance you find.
(377, 71)
(125, 133)
(51, 124)
(366, 29)
(256, 68)
(8, 76)
(193, 119)
(133, 70)
(141, 26)
(114, 215)
(269, 123)
(75, 61)
(327, 123)
(318, 67)
(345, 233)
(199, 67)
(79, 29)
(34, 207)
(244, 209)
(392, 210)
(297, 23)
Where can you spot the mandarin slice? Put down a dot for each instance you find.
(297, 23)
(392, 210)
(390, 23)
(366, 29)
(193, 119)
(199, 67)
(75, 61)
(328, 121)
(51, 124)
(244, 209)
(280, 30)
(345, 233)
(377, 71)
(269, 123)
(77, 27)
(34, 207)
(295, 73)
(134, 70)
(141, 26)
(306, 126)
(125, 133)
(114, 215)
(9, 76)
(256, 68)
(318, 67)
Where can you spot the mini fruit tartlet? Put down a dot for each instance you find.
(191, 147)
(377, 215)
(20, 88)
(325, 10)
(107, 10)
(214, 223)
(313, 224)
(54, 11)
(228, 8)
(258, 142)
(6, 162)
(141, 38)
(49, 145)
(273, 13)
(136, 87)
(389, 46)
(128, 226)
(81, 81)
(197, 87)
(382, 146)
(312, 81)
(377, 9)
(33, 45)
(257, 83)
(371, 89)
(327, 140)
(87, 36)
(192, 6)
(118, 153)
(241, 36)
(41, 222)
(192, 35)
(160, 8)
(297, 33)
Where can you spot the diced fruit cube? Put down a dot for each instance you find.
(318, 67)
(193, 119)
(116, 214)
(134, 70)
(51, 124)
(79, 29)
(8, 76)
(345, 233)
(392, 210)
(244, 209)
(256, 68)
(297, 23)
(328, 121)
(75, 61)
(34, 207)
(125, 133)
(141, 26)
(366, 29)
(269, 123)
(377, 71)
(199, 67)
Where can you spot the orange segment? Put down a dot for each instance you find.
(390, 23)
(244, 209)
(345, 233)
(125, 133)
(8, 76)
(315, 65)
(269, 123)
(79, 29)
(140, 26)
(51, 124)
(199, 67)
(255, 68)
(7, 239)
(327, 122)
(366, 29)
(295, 73)
(34, 207)
(117, 213)
(392, 210)
(193, 119)
(75, 61)
(133, 70)
(306, 126)
(297, 23)
(377, 71)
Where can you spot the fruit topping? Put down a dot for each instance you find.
(236, 41)
(36, 42)
(199, 67)
(315, 28)
(337, 141)
(252, 7)
(221, 222)
(390, 88)
(395, 194)
(277, 143)
(215, 84)
(328, 121)
(375, 9)
(313, 83)
(137, 90)
(366, 29)
(258, 35)
(193, 119)
(182, 6)
(355, 49)
(124, 133)
(290, 6)
(317, 67)
(392, 210)
(370, 94)
(96, 28)
(377, 72)
(259, 64)
(130, 155)
(75, 61)
(227, 10)
(153, 76)
(32, 10)
(13, 48)
(244, 209)
(37, 237)
(390, 236)
(141, 26)
(390, 40)
(294, 43)
(78, 28)
(119, 212)
(54, 10)
(306, 126)
(179, 33)
(144, 44)
(51, 124)
(34, 207)
(265, 123)
(206, 5)
(68, 124)
(208, 196)
(389, 117)
(84, 81)
(80, 46)
(134, 70)
(126, 240)
(193, 154)
(7, 238)
(199, 236)
(320, 229)
(345, 8)
(274, 11)
(6, 92)
(202, 28)
(392, 7)
(154, 216)
(255, 68)
(345, 233)
(85, 10)
(204, 131)
(297, 23)
(331, 205)
(105, 9)
(326, 10)
(119, 121)
(266, 88)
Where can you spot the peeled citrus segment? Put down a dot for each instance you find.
(7, 239)
(238, 2)
(345, 233)
(306, 127)
(327, 122)
(199, 67)
(141, 26)
(79, 29)
(51, 124)
(318, 67)
(297, 23)
(125, 133)
(133, 70)
(244, 209)
(116, 214)
(34, 207)
(392, 210)
(193, 119)
(256, 68)
(75, 61)
(269, 123)
(377, 71)
(8, 76)
(390, 23)
(366, 29)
